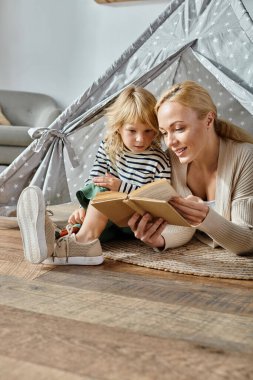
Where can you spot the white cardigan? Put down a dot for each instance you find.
(230, 223)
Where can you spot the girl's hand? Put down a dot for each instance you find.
(108, 181)
(77, 216)
(192, 208)
(148, 229)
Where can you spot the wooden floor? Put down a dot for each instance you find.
(123, 322)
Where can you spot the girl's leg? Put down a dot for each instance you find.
(93, 225)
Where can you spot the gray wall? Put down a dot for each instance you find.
(59, 47)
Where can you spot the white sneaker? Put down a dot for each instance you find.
(68, 251)
(37, 229)
(38, 235)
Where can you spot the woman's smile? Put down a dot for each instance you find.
(180, 151)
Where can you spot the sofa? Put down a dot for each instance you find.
(20, 111)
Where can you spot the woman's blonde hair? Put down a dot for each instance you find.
(191, 94)
(134, 104)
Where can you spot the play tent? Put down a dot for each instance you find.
(209, 41)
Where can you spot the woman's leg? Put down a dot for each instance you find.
(93, 225)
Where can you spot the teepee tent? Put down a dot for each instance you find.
(208, 41)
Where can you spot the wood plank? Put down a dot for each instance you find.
(11, 243)
(121, 267)
(14, 369)
(173, 289)
(223, 331)
(120, 321)
(100, 352)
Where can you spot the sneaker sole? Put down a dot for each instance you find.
(80, 260)
(31, 220)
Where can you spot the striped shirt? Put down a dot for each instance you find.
(134, 169)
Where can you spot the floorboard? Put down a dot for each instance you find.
(120, 321)
(24, 370)
(150, 286)
(90, 349)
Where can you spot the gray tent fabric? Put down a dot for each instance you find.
(208, 41)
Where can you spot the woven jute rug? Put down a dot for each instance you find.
(195, 258)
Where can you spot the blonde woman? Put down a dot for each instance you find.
(212, 170)
(129, 157)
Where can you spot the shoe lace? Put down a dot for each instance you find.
(49, 212)
(66, 238)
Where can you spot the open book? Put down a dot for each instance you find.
(152, 198)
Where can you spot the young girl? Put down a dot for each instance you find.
(129, 157)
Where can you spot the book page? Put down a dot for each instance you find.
(108, 195)
(160, 189)
(161, 209)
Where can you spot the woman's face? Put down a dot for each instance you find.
(183, 132)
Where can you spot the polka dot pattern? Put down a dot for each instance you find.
(208, 42)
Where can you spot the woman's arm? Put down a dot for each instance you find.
(235, 235)
(235, 231)
(230, 225)
(157, 233)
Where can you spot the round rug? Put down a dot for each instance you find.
(195, 258)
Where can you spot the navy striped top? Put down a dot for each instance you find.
(134, 169)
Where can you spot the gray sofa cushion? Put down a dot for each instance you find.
(3, 119)
(28, 109)
(14, 135)
(24, 110)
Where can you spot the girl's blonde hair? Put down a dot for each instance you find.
(191, 94)
(134, 104)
